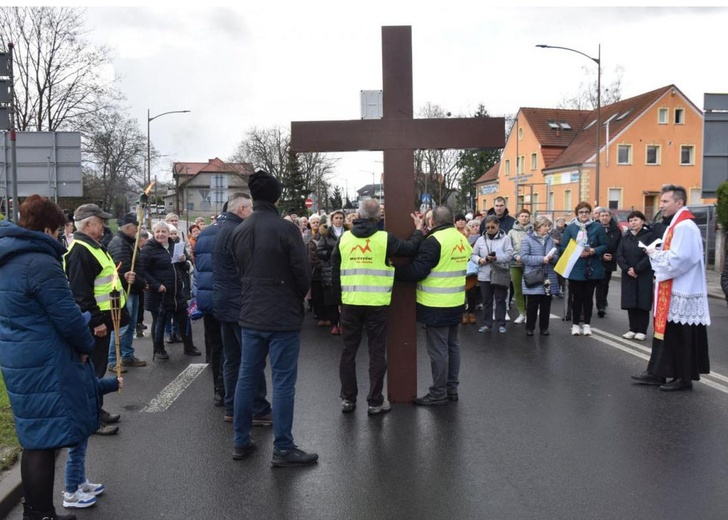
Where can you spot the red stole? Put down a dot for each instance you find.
(664, 288)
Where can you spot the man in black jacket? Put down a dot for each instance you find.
(609, 259)
(275, 276)
(366, 295)
(500, 210)
(226, 302)
(121, 249)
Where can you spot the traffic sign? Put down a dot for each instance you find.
(309, 203)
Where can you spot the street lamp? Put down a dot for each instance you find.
(598, 61)
(149, 142)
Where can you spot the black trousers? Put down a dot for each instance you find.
(213, 351)
(583, 292)
(639, 320)
(354, 319)
(160, 317)
(538, 304)
(603, 291)
(100, 354)
(317, 299)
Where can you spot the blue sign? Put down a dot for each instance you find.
(426, 198)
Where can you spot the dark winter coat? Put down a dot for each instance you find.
(275, 274)
(636, 292)
(159, 270)
(597, 240)
(204, 283)
(121, 249)
(532, 253)
(42, 336)
(228, 295)
(425, 261)
(614, 237)
(324, 251)
(395, 247)
(313, 258)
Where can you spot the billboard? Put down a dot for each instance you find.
(49, 164)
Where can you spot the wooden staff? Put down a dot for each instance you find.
(116, 320)
(141, 206)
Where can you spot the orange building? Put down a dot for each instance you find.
(548, 164)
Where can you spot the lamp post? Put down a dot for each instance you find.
(598, 61)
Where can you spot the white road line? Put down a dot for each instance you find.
(174, 389)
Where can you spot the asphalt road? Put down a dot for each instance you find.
(546, 428)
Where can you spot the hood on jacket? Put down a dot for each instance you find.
(15, 240)
(364, 228)
(518, 227)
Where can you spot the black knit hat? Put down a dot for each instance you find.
(263, 186)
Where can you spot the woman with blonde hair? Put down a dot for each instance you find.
(539, 253)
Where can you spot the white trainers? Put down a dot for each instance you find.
(586, 330)
(508, 317)
(521, 319)
(78, 499)
(629, 335)
(91, 489)
(382, 408)
(575, 330)
(639, 336)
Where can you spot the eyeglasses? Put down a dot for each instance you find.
(491, 227)
(583, 211)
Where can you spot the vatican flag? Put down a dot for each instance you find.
(568, 258)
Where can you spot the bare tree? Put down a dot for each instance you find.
(586, 97)
(58, 73)
(114, 149)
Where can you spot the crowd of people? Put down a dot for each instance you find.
(70, 293)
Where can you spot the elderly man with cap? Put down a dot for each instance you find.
(92, 276)
(121, 249)
(275, 276)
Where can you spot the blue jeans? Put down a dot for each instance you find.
(126, 333)
(76, 466)
(283, 348)
(232, 353)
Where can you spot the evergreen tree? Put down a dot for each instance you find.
(336, 200)
(473, 164)
(293, 198)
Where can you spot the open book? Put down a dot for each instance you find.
(653, 245)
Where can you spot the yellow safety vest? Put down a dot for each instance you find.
(445, 285)
(106, 281)
(366, 279)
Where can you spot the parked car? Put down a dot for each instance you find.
(620, 215)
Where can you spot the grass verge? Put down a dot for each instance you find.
(9, 447)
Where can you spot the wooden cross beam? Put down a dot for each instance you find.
(398, 135)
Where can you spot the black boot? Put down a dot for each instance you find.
(31, 514)
(192, 351)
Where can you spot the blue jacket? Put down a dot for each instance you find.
(228, 296)
(591, 267)
(532, 253)
(42, 335)
(203, 268)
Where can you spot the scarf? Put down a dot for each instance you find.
(582, 237)
(664, 288)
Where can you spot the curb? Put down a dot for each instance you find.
(11, 490)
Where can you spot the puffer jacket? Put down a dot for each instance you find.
(121, 249)
(532, 253)
(228, 294)
(203, 269)
(274, 271)
(502, 247)
(159, 270)
(42, 336)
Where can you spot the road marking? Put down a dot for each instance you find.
(643, 353)
(174, 389)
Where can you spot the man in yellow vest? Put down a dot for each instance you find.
(439, 268)
(362, 280)
(92, 276)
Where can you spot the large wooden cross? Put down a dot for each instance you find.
(398, 135)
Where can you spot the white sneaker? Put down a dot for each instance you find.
(575, 331)
(639, 336)
(78, 499)
(91, 489)
(586, 330)
(508, 318)
(630, 335)
(520, 319)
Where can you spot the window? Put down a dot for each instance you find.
(564, 125)
(520, 134)
(625, 114)
(190, 206)
(508, 167)
(553, 125)
(679, 116)
(534, 161)
(567, 201)
(624, 154)
(615, 196)
(662, 116)
(551, 201)
(687, 154)
(534, 203)
(653, 154)
(518, 165)
(521, 164)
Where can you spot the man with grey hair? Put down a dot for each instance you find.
(226, 304)
(362, 280)
(439, 268)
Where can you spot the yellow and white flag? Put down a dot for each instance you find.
(568, 258)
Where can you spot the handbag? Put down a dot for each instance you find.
(533, 278)
(500, 275)
(193, 311)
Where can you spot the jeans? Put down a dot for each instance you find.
(498, 293)
(126, 333)
(283, 348)
(232, 352)
(444, 351)
(76, 466)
